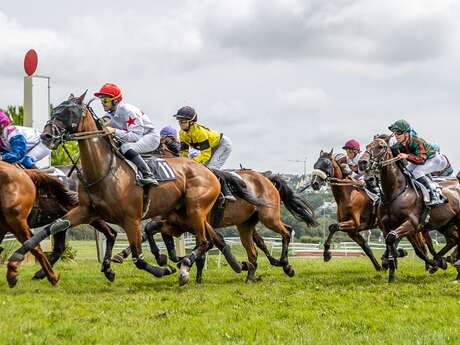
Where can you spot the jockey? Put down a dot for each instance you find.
(353, 153)
(20, 144)
(214, 147)
(131, 127)
(169, 141)
(421, 157)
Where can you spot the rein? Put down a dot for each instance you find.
(83, 136)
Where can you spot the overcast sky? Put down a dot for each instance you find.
(283, 79)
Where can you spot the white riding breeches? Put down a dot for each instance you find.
(436, 163)
(220, 154)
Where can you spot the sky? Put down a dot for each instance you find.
(283, 79)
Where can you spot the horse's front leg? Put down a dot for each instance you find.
(58, 250)
(76, 216)
(110, 235)
(327, 255)
(133, 232)
(391, 240)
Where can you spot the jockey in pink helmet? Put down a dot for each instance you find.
(349, 163)
(20, 144)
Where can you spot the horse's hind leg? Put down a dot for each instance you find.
(356, 236)
(246, 234)
(58, 250)
(260, 243)
(270, 218)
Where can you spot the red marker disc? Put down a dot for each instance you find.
(30, 62)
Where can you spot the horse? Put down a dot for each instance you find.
(402, 211)
(355, 209)
(272, 189)
(108, 188)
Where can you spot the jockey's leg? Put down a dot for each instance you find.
(217, 161)
(147, 175)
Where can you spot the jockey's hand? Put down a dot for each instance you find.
(403, 156)
(110, 130)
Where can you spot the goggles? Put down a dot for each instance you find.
(106, 99)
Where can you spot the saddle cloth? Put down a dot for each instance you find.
(159, 167)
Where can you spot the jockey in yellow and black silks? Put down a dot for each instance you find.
(214, 147)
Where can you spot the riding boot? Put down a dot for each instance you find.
(147, 176)
(226, 192)
(436, 198)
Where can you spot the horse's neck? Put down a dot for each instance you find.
(393, 181)
(95, 153)
(340, 192)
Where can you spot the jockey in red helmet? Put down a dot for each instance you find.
(131, 127)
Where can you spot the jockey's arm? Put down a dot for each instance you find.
(417, 154)
(18, 149)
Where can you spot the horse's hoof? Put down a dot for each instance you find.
(170, 270)
(118, 259)
(289, 271)
(55, 280)
(327, 256)
(402, 253)
(199, 280)
(442, 263)
(378, 268)
(39, 275)
(162, 260)
(16, 257)
(250, 281)
(183, 278)
(433, 269)
(110, 275)
(1, 250)
(12, 281)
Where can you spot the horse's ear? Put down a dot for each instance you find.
(332, 151)
(82, 97)
(71, 96)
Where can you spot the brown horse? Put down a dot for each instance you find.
(355, 209)
(50, 200)
(109, 190)
(402, 211)
(272, 189)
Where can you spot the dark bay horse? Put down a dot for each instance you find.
(109, 190)
(402, 211)
(272, 189)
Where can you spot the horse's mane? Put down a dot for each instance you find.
(53, 187)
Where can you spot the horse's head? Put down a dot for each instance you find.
(376, 154)
(323, 170)
(65, 120)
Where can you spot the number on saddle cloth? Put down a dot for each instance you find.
(159, 167)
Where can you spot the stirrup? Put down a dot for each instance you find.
(148, 181)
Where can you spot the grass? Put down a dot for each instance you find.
(340, 302)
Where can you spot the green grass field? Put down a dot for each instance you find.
(340, 302)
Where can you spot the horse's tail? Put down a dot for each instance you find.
(53, 187)
(294, 202)
(239, 187)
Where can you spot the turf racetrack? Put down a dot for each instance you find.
(340, 302)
